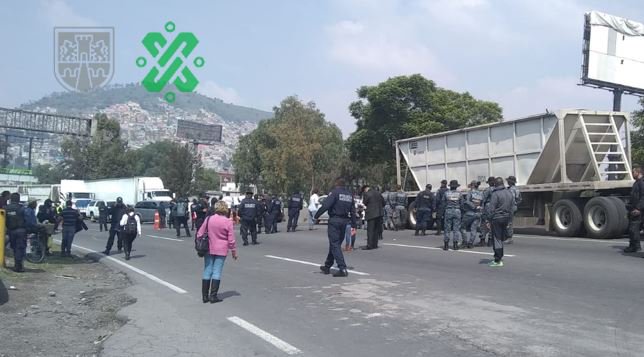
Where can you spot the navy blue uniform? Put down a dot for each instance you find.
(425, 204)
(70, 217)
(339, 203)
(295, 204)
(116, 212)
(261, 216)
(248, 209)
(16, 228)
(274, 211)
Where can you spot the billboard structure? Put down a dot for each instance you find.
(613, 54)
(199, 133)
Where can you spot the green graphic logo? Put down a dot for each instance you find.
(171, 59)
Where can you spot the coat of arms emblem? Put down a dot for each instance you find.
(83, 57)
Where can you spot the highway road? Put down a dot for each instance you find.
(554, 297)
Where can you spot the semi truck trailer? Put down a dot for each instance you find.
(573, 167)
(132, 189)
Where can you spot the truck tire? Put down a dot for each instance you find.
(601, 218)
(568, 220)
(411, 216)
(91, 217)
(623, 214)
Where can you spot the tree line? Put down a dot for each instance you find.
(298, 150)
(107, 155)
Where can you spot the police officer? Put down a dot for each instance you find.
(295, 205)
(499, 212)
(16, 228)
(425, 203)
(274, 211)
(389, 198)
(400, 212)
(116, 212)
(440, 208)
(248, 214)
(341, 207)
(452, 202)
(261, 212)
(516, 194)
(472, 208)
(486, 233)
(636, 205)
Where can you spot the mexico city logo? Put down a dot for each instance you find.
(171, 61)
(83, 57)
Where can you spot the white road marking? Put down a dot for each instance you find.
(134, 269)
(434, 248)
(312, 264)
(572, 240)
(279, 344)
(157, 237)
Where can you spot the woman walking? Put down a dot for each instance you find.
(221, 238)
(131, 228)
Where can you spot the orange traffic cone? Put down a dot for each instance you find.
(157, 221)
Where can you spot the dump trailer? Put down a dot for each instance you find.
(573, 167)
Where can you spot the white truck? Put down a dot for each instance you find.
(573, 167)
(132, 190)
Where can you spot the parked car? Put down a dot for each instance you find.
(325, 216)
(81, 205)
(146, 209)
(92, 209)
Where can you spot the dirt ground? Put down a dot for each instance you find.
(63, 307)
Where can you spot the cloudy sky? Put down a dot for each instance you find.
(524, 54)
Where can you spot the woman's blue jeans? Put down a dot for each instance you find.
(212, 266)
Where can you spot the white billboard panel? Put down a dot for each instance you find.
(613, 52)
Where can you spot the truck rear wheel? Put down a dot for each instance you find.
(567, 218)
(623, 214)
(411, 220)
(602, 218)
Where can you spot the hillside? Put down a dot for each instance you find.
(87, 103)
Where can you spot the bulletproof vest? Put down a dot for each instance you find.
(476, 197)
(295, 201)
(391, 198)
(453, 200)
(276, 205)
(343, 205)
(249, 207)
(15, 216)
(425, 200)
(401, 199)
(487, 194)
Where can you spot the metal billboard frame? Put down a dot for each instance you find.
(199, 133)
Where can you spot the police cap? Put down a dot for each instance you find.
(453, 183)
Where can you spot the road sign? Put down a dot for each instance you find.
(198, 132)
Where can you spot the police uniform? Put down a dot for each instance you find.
(440, 208)
(274, 210)
(295, 205)
(400, 212)
(636, 206)
(116, 212)
(390, 204)
(516, 194)
(261, 213)
(248, 210)
(486, 233)
(425, 202)
(472, 214)
(452, 202)
(341, 207)
(16, 228)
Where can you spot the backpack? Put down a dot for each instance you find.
(181, 209)
(130, 225)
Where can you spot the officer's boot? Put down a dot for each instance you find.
(416, 233)
(455, 245)
(424, 234)
(18, 267)
(446, 245)
(214, 289)
(205, 290)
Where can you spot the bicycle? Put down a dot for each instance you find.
(35, 250)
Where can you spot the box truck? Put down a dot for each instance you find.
(132, 190)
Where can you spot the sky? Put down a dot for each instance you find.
(523, 54)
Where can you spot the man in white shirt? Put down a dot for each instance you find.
(131, 228)
(314, 204)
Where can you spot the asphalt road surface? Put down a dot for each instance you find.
(554, 297)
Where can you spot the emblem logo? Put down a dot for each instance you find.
(171, 61)
(83, 57)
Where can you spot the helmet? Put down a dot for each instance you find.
(119, 200)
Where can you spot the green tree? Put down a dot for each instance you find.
(408, 106)
(290, 152)
(48, 174)
(205, 180)
(637, 135)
